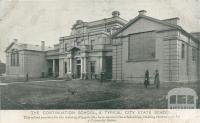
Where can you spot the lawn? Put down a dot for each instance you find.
(79, 94)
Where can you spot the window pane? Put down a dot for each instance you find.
(14, 59)
(173, 99)
(92, 67)
(190, 100)
(78, 61)
(183, 51)
(65, 67)
(149, 48)
(92, 44)
(181, 99)
(142, 46)
(194, 55)
(65, 46)
(11, 59)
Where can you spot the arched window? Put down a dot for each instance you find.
(14, 58)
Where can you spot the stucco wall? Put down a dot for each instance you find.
(168, 59)
(61, 67)
(133, 70)
(168, 55)
(188, 67)
(15, 71)
(34, 64)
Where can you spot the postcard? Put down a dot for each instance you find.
(94, 61)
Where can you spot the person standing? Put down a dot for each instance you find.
(27, 77)
(146, 78)
(157, 79)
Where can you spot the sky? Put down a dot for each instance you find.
(33, 21)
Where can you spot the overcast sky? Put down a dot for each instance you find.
(31, 21)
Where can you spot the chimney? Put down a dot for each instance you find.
(142, 12)
(79, 21)
(115, 14)
(42, 45)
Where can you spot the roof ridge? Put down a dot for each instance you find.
(161, 21)
(170, 18)
(147, 17)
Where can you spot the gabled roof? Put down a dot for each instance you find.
(155, 20)
(24, 46)
(9, 46)
(148, 18)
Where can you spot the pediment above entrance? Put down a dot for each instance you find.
(75, 52)
(74, 49)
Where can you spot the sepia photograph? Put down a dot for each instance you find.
(99, 54)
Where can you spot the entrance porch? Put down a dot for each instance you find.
(53, 67)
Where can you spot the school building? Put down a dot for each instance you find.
(122, 50)
(147, 43)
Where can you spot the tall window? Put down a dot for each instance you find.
(62, 45)
(92, 44)
(78, 43)
(65, 67)
(183, 51)
(14, 58)
(108, 30)
(92, 67)
(104, 41)
(65, 46)
(194, 54)
(69, 65)
(142, 46)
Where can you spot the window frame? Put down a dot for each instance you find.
(182, 51)
(65, 65)
(92, 44)
(173, 98)
(66, 47)
(181, 99)
(14, 58)
(153, 35)
(92, 66)
(194, 54)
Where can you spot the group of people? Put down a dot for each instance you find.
(156, 79)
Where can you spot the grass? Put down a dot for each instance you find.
(87, 95)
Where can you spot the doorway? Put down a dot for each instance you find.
(78, 69)
(108, 67)
(92, 69)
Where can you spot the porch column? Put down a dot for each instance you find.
(85, 65)
(53, 69)
(70, 62)
(68, 65)
(61, 68)
(100, 64)
(82, 67)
